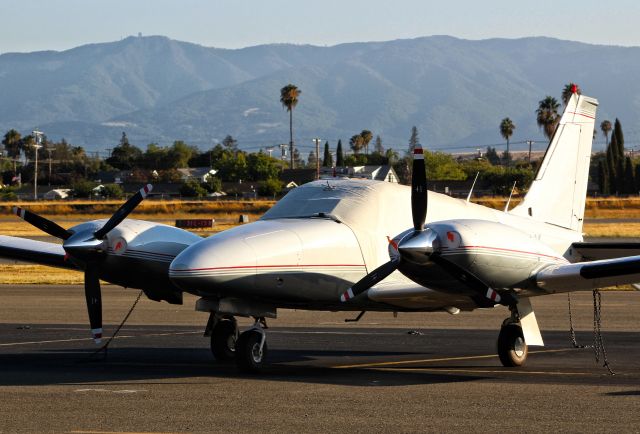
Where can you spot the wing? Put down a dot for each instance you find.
(37, 252)
(583, 276)
(596, 251)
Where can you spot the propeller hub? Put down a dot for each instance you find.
(84, 246)
(417, 246)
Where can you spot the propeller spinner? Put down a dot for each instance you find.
(87, 248)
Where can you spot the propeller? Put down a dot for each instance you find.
(123, 212)
(93, 294)
(87, 247)
(371, 279)
(418, 190)
(46, 226)
(420, 246)
(419, 214)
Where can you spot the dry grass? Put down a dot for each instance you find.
(612, 229)
(147, 207)
(12, 274)
(593, 205)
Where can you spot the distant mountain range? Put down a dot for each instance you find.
(455, 91)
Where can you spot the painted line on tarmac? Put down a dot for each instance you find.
(486, 371)
(53, 341)
(287, 332)
(442, 359)
(119, 432)
(36, 328)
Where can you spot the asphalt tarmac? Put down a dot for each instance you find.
(418, 372)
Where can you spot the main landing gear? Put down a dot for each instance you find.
(512, 348)
(248, 349)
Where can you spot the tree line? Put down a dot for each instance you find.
(616, 173)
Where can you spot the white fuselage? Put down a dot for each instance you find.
(319, 240)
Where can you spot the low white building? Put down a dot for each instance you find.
(57, 193)
(201, 174)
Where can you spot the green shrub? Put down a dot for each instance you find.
(83, 189)
(112, 191)
(270, 187)
(192, 188)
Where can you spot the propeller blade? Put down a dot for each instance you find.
(94, 300)
(42, 223)
(370, 279)
(123, 212)
(418, 189)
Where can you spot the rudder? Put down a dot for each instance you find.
(558, 192)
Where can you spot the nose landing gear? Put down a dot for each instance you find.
(251, 348)
(248, 349)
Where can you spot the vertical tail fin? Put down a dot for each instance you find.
(558, 192)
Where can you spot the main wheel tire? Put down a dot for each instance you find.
(512, 348)
(249, 357)
(223, 340)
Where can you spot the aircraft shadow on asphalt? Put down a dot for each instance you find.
(297, 356)
(170, 365)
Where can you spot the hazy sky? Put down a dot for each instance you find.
(30, 25)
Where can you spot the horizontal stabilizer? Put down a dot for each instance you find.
(596, 251)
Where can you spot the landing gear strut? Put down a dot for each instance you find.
(224, 334)
(251, 348)
(512, 348)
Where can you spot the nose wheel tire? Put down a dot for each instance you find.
(512, 349)
(223, 340)
(251, 352)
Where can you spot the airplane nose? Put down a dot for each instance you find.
(212, 262)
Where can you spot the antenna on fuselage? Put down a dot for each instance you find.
(506, 207)
(472, 185)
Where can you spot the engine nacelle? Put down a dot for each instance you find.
(499, 255)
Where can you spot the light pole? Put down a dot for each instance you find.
(38, 138)
(49, 150)
(317, 141)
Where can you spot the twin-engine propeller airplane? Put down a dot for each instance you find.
(343, 245)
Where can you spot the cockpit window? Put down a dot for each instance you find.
(338, 200)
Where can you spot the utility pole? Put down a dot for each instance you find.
(530, 142)
(291, 153)
(317, 141)
(38, 138)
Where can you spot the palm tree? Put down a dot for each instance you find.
(289, 99)
(506, 131)
(12, 144)
(605, 126)
(568, 90)
(356, 143)
(547, 115)
(366, 138)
